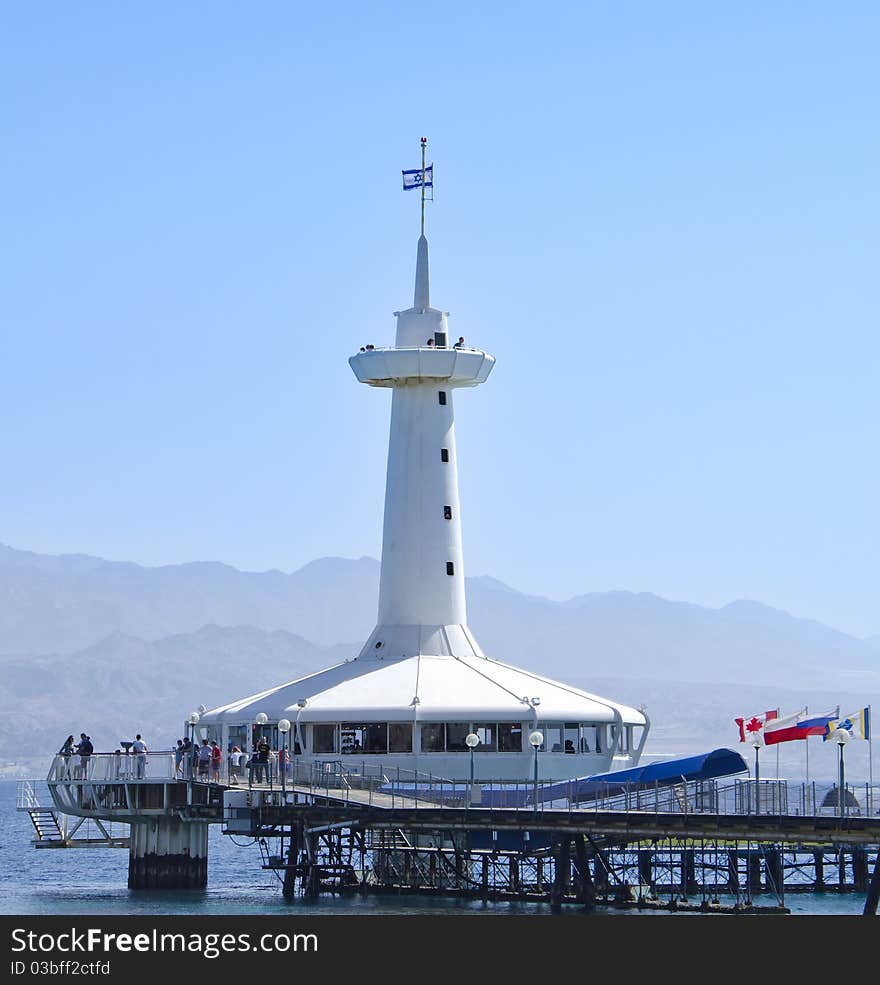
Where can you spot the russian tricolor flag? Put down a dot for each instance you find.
(802, 728)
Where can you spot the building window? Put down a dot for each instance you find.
(323, 738)
(510, 737)
(450, 568)
(486, 733)
(447, 512)
(636, 740)
(444, 454)
(433, 737)
(369, 738)
(400, 736)
(442, 396)
(456, 732)
(588, 742)
(553, 736)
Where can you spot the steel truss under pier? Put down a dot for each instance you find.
(593, 860)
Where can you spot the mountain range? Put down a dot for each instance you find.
(114, 647)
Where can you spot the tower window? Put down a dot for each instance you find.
(442, 395)
(444, 454)
(447, 512)
(450, 568)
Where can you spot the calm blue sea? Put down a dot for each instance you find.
(93, 880)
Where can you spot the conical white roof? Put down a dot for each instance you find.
(427, 688)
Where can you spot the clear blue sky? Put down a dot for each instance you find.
(662, 219)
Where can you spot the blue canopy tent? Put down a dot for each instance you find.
(706, 766)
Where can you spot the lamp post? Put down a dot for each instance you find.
(841, 737)
(471, 740)
(192, 721)
(536, 740)
(260, 719)
(757, 741)
(284, 728)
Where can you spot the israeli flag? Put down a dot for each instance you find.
(413, 179)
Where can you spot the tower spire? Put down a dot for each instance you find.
(422, 293)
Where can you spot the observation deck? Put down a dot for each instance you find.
(399, 366)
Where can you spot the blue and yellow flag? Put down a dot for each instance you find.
(858, 725)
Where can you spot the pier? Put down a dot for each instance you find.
(673, 847)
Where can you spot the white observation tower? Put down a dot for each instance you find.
(422, 605)
(421, 687)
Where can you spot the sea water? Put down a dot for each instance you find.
(93, 880)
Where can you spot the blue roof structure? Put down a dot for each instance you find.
(706, 766)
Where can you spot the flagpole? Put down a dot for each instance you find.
(807, 747)
(870, 762)
(424, 151)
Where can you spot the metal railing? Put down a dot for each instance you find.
(371, 784)
(26, 798)
(109, 767)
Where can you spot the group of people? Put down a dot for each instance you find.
(84, 750)
(201, 760)
(204, 761)
(430, 343)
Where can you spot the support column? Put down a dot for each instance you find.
(775, 870)
(860, 869)
(689, 885)
(586, 890)
(167, 853)
(646, 866)
(754, 862)
(819, 864)
(562, 861)
(873, 896)
(733, 870)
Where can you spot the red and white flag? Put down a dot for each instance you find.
(755, 723)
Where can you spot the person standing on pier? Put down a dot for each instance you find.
(178, 758)
(139, 748)
(84, 750)
(66, 751)
(216, 761)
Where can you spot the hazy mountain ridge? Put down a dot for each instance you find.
(114, 647)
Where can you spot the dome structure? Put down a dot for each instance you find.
(415, 713)
(421, 688)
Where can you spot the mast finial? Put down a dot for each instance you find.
(424, 168)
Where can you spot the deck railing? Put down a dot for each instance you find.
(367, 783)
(109, 767)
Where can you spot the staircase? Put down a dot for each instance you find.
(46, 825)
(55, 829)
(44, 819)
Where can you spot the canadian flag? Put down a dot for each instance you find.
(748, 726)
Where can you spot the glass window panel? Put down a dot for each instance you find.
(324, 738)
(570, 737)
(601, 744)
(510, 737)
(433, 737)
(352, 738)
(456, 732)
(376, 737)
(588, 739)
(612, 737)
(636, 736)
(400, 736)
(488, 734)
(553, 736)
